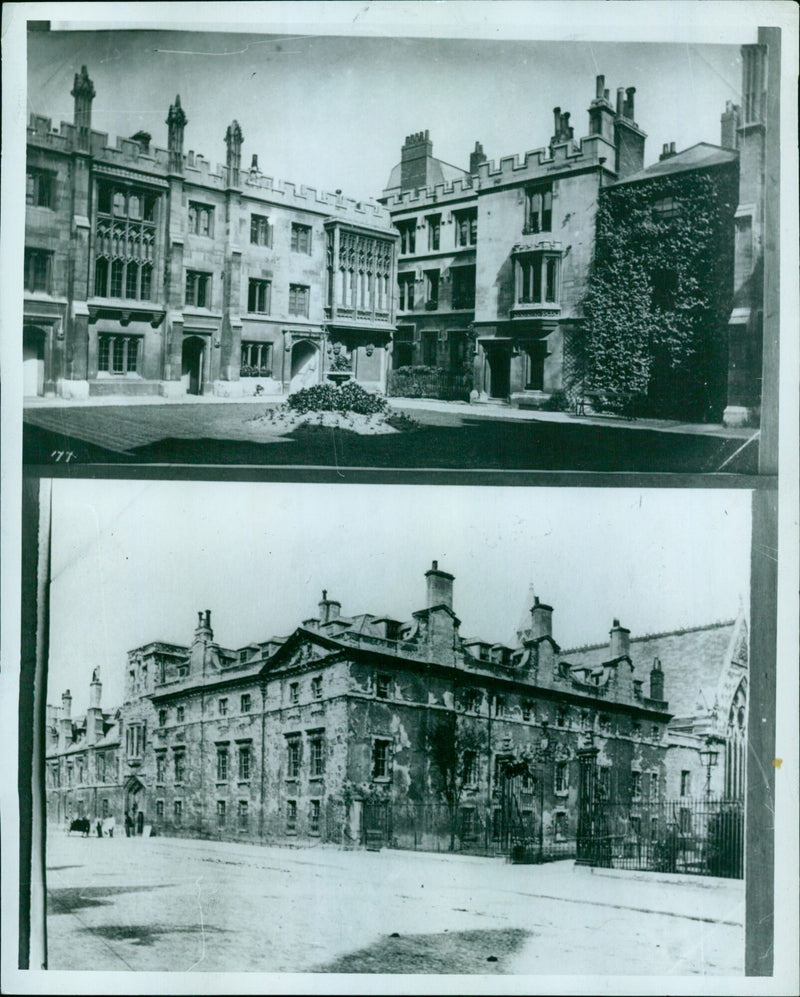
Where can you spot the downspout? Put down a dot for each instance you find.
(262, 798)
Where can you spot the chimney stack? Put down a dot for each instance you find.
(142, 139)
(65, 734)
(414, 156)
(476, 157)
(619, 645)
(83, 92)
(233, 143)
(176, 122)
(94, 715)
(541, 620)
(656, 680)
(440, 587)
(667, 151)
(329, 609)
(254, 164)
(729, 125)
(600, 91)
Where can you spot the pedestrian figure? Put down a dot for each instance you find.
(128, 825)
(99, 828)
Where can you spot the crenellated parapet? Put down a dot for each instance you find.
(131, 153)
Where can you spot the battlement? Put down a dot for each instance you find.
(129, 152)
(591, 151)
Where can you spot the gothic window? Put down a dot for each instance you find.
(537, 278)
(538, 209)
(134, 740)
(301, 238)
(198, 289)
(434, 232)
(125, 240)
(466, 223)
(258, 296)
(260, 231)
(431, 290)
(38, 270)
(408, 235)
(405, 286)
(298, 300)
(117, 354)
(463, 287)
(201, 219)
(40, 189)
(256, 361)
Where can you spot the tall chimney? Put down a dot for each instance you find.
(65, 734)
(541, 620)
(620, 101)
(629, 103)
(233, 143)
(476, 157)
(599, 89)
(619, 645)
(329, 609)
(656, 680)
(440, 587)
(94, 715)
(176, 122)
(83, 92)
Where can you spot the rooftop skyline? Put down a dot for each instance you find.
(134, 562)
(332, 112)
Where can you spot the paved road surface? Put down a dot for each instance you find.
(169, 904)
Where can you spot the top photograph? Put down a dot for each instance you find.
(398, 253)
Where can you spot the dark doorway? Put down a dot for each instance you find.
(305, 366)
(535, 375)
(32, 361)
(192, 364)
(140, 822)
(499, 357)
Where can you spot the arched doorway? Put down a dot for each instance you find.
(33, 340)
(193, 357)
(134, 806)
(305, 365)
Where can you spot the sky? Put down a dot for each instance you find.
(134, 561)
(332, 112)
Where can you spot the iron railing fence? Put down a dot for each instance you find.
(472, 830)
(446, 385)
(700, 836)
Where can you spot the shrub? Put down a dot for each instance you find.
(557, 402)
(348, 397)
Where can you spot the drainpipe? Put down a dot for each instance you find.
(263, 749)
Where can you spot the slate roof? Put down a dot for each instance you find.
(438, 172)
(691, 660)
(702, 156)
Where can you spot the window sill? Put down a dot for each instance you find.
(316, 778)
(382, 778)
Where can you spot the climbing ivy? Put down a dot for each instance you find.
(654, 340)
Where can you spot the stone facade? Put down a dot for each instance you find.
(296, 736)
(147, 271)
(494, 260)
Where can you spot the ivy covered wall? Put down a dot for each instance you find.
(654, 340)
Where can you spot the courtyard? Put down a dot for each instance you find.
(188, 905)
(449, 435)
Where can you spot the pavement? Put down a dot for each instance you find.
(451, 435)
(189, 905)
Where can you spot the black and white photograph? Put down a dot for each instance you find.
(554, 260)
(514, 741)
(400, 473)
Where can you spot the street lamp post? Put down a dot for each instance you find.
(709, 756)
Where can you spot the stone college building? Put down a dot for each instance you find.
(150, 271)
(351, 718)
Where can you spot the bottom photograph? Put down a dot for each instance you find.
(396, 729)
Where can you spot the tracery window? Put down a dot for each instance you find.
(125, 242)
